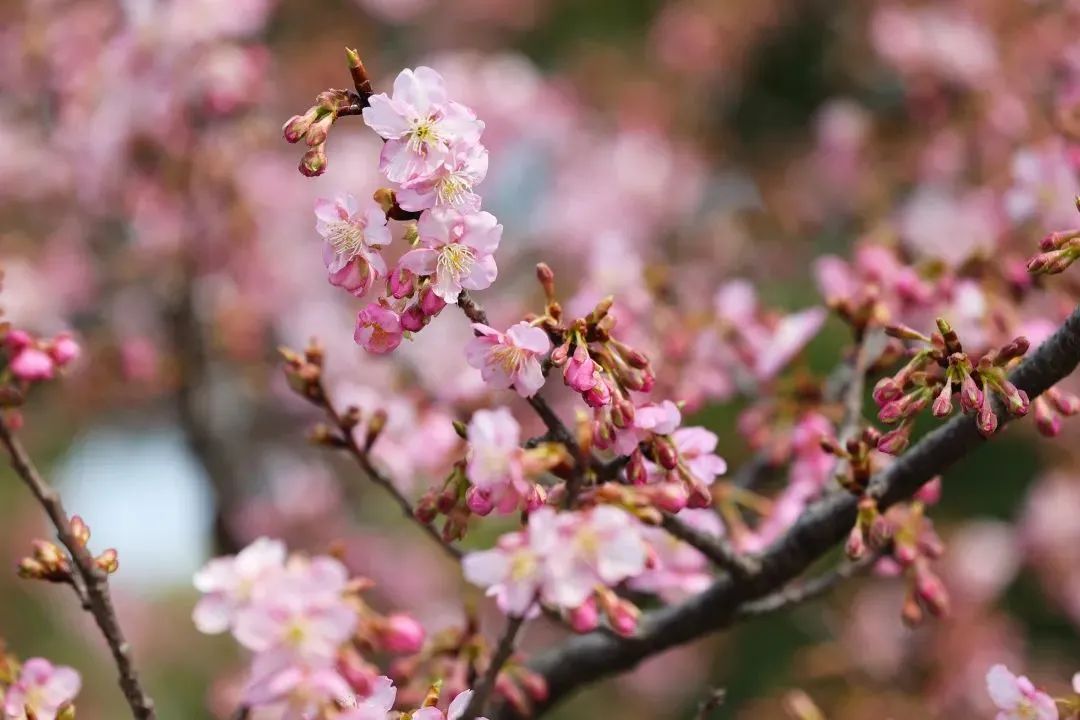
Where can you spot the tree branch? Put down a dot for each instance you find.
(502, 654)
(90, 582)
(587, 658)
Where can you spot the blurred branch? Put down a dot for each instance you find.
(502, 654)
(348, 442)
(90, 582)
(588, 658)
(717, 549)
(801, 592)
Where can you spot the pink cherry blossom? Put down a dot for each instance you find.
(652, 418)
(228, 583)
(457, 250)
(376, 706)
(495, 461)
(378, 329)
(513, 571)
(351, 230)
(64, 349)
(420, 125)
(602, 546)
(454, 712)
(295, 691)
(451, 184)
(41, 690)
(299, 616)
(1017, 698)
(697, 447)
(678, 570)
(511, 358)
(32, 365)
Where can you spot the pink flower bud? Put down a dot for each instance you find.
(598, 395)
(886, 390)
(431, 303)
(32, 365)
(535, 498)
(580, 371)
(318, 130)
(895, 441)
(356, 277)
(585, 618)
(378, 329)
(64, 349)
(413, 319)
(669, 496)
(18, 339)
(855, 546)
(905, 554)
(296, 126)
(986, 420)
(930, 493)
(479, 502)
(1065, 402)
(1046, 420)
(1016, 399)
(402, 283)
(943, 402)
(636, 474)
(535, 685)
(933, 593)
(970, 396)
(313, 163)
(699, 497)
(623, 616)
(402, 634)
(666, 454)
(891, 412)
(560, 354)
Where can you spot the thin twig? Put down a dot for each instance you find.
(363, 459)
(491, 674)
(94, 581)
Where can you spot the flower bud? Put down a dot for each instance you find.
(856, 545)
(895, 440)
(401, 283)
(986, 420)
(402, 634)
(580, 371)
(669, 496)
(932, 592)
(32, 365)
(585, 618)
(313, 163)
(930, 493)
(425, 510)
(546, 277)
(479, 501)
(1065, 402)
(623, 616)
(108, 561)
(1046, 420)
(413, 319)
(431, 303)
(297, 126)
(599, 395)
(665, 453)
(886, 390)
(534, 683)
(636, 474)
(80, 530)
(943, 402)
(319, 130)
(891, 412)
(971, 398)
(911, 614)
(1016, 400)
(64, 350)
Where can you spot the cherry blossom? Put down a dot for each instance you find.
(510, 359)
(378, 329)
(451, 184)
(456, 250)
(353, 232)
(495, 463)
(1017, 698)
(229, 583)
(420, 125)
(41, 691)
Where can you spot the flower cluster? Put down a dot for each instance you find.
(29, 360)
(1059, 251)
(433, 158)
(51, 563)
(569, 561)
(300, 616)
(938, 371)
(36, 689)
(313, 127)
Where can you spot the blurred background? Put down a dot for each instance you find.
(657, 150)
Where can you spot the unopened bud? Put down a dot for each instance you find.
(108, 561)
(479, 501)
(297, 126)
(666, 454)
(546, 277)
(971, 398)
(431, 303)
(986, 420)
(313, 163)
(376, 424)
(887, 390)
(534, 683)
(80, 530)
(1065, 402)
(402, 634)
(585, 618)
(911, 614)
(413, 319)
(903, 332)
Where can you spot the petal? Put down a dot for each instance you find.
(435, 226)
(385, 117)
(459, 705)
(420, 197)
(421, 261)
(529, 379)
(212, 615)
(483, 273)
(485, 568)
(530, 338)
(63, 686)
(482, 232)
(327, 211)
(449, 287)
(1003, 687)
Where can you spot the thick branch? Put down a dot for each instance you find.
(90, 582)
(587, 658)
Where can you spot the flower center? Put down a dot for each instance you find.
(588, 542)
(508, 357)
(346, 238)
(522, 566)
(295, 634)
(424, 134)
(456, 259)
(452, 189)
